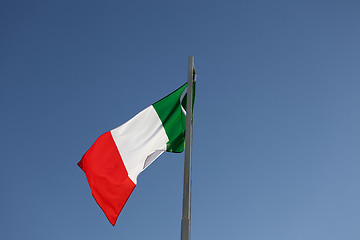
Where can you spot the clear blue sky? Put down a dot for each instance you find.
(276, 120)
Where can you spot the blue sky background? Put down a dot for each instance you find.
(276, 119)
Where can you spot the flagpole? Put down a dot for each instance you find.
(186, 214)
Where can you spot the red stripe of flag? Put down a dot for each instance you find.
(107, 176)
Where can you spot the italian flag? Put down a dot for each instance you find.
(114, 161)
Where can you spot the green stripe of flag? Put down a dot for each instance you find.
(173, 119)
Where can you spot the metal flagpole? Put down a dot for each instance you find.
(186, 214)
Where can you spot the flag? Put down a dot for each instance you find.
(114, 161)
